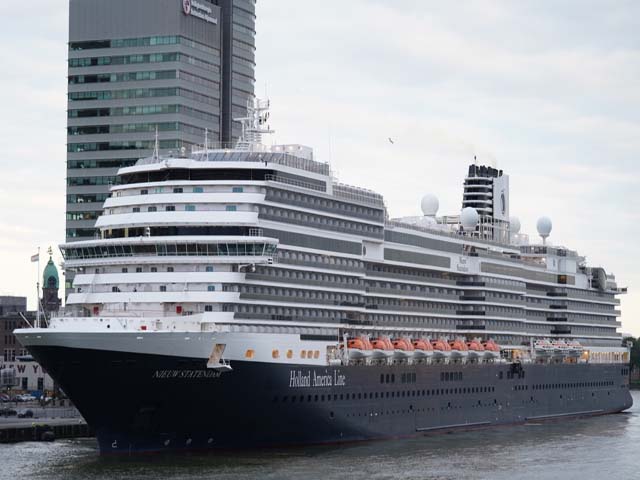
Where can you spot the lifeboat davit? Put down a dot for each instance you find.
(402, 348)
(382, 347)
(359, 347)
(422, 348)
(491, 350)
(441, 349)
(476, 350)
(543, 347)
(459, 349)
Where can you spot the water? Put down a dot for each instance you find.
(601, 447)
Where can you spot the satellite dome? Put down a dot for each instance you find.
(544, 226)
(469, 218)
(514, 222)
(430, 205)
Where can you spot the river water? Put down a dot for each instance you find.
(594, 448)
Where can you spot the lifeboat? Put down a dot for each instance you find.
(560, 348)
(491, 350)
(402, 348)
(543, 347)
(459, 349)
(359, 348)
(422, 348)
(441, 349)
(476, 350)
(382, 347)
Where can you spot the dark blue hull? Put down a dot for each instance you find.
(155, 403)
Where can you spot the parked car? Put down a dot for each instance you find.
(25, 414)
(7, 412)
(25, 398)
(4, 397)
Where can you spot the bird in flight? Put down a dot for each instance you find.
(391, 141)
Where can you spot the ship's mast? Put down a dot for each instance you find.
(254, 124)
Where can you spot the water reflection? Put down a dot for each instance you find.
(580, 449)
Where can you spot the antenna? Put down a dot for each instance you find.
(156, 147)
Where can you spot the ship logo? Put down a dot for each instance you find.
(186, 7)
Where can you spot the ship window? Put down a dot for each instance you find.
(136, 209)
(238, 190)
(163, 288)
(154, 269)
(178, 190)
(152, 209)
(144, 192)
(211, 288)
(231, 208)
(125, 270)
(208, 308)
(169, 269)
(209, 268)
(190, 208)
(198, 190)
(170, 208)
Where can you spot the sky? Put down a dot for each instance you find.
(545, 90)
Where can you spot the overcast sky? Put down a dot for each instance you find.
(546, 90)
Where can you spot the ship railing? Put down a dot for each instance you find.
(443, 233)
(362, 195)
(227, 152)
(295, 183)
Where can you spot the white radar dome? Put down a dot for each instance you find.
(544, 226)
(430, 205)
(514, 222)
(469, 218)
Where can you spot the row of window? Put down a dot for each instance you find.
(187, 208)
(123, 77)
(125, 145)
(142, 110)
(142, 93)
(101, 163)
(142, 58)
(192, 249)
(135, 128)
(380, 395)
(141, 42)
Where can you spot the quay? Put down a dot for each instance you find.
(29, 430)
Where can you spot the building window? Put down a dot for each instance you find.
(190, 208)
(231, 208)
(163, 288)
(170, 208)
(237, 190)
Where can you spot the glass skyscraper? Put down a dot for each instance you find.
(178, 67)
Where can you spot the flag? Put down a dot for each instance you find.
(35, 258)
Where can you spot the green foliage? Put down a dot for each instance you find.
(635, 351)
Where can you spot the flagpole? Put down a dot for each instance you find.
(38, 292)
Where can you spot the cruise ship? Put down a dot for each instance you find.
(244, 298)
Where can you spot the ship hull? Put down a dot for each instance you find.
(141, 402)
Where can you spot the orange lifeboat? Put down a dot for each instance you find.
(402, 348)
(382, 347)
(359, 347)
(476, 349)
(459, 349)
(491, 350)
(441, 348)
(422, 348)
